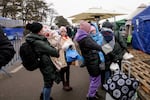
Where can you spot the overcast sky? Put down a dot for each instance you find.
(68, 8)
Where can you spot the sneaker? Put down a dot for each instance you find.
(97, 95)
(41, 97)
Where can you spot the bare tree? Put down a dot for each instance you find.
(27, 10)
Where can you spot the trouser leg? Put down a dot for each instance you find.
(46, 93)
(94, 84)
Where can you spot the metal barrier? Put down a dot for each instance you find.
(16, 43)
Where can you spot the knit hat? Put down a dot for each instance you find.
(62, 28)
(92, 29)
(35, 27)
(85, 26)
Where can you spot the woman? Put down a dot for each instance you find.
(44, 49)
(65, 43)
(89, 49)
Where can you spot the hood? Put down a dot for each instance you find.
(98, 36)
(80, 35)
(32, 37)
(96, 27)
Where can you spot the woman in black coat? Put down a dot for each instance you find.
(89, 49)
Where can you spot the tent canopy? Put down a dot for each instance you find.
(93, 13)
(141, 31)
(138, 10)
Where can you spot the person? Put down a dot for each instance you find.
(7, 50)
(119, 49)
(65, 43)
(69, 31)
(54, 38)
(107, 24)
(97, 36)
(89, 49)
(44, 50)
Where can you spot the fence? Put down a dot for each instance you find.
(16, 43)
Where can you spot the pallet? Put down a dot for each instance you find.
(141, 71)
(139, 55)
(142, 94)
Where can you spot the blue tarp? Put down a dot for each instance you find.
(141, 31)
(13, 33)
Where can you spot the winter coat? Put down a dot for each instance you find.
(89, 49)
(99, 40)
(59, 62)
(45, 50)
(7, 50)
(119, 50)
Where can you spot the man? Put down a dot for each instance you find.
(7, 51)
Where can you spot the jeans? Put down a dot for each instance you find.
(46, 93)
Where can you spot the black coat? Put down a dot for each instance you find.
(7, 50)
(89, 49)
(45, 50)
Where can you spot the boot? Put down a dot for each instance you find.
(97, 95)
(66, 87)
(41, 97)
(92, 98)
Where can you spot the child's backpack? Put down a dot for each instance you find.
(30, 59)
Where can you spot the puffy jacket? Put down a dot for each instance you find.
(120, 48)
(45, 50)
(7, 50)
(89, 49)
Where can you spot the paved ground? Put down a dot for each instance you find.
(24, 85)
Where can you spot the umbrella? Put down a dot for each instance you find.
(94, 14)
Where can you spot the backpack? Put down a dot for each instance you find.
(7, 50)
(29, 57)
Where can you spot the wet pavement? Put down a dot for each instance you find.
(25, 85)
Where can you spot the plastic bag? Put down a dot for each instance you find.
(127, 56)
(107, 48)
(114, 66)
(72, 55)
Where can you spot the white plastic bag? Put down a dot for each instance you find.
(127, 56)
(114, 66)
(107, 48)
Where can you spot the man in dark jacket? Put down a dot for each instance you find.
(45, 50)
(89, 49)
(7, 51)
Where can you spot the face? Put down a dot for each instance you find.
(63, 33)
(45, 31)
(93, 32)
